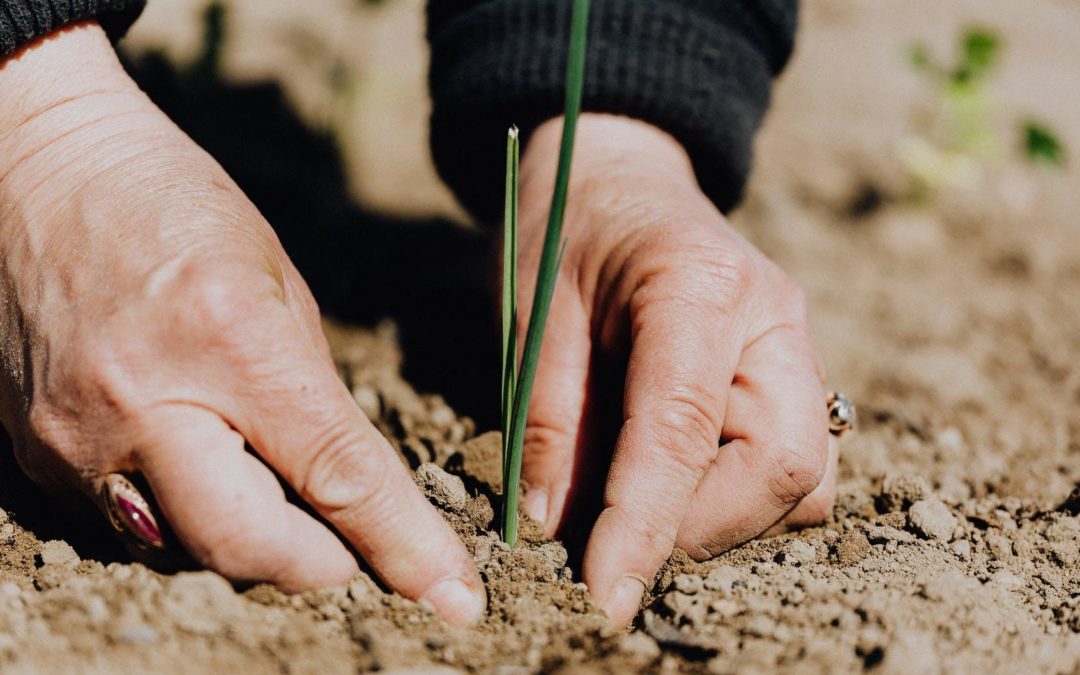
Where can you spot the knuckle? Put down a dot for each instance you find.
(545, 441)
(710, 276)
(731, 273)
(217, 299)
(701, 549)
(695, 542)
(688, 431)
(799, 470)
(339, 475)
(645, 530)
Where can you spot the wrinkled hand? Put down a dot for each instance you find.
(724, 429)
(153, 324)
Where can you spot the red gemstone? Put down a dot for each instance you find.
(140, 522)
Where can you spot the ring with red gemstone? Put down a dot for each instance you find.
(129, 512)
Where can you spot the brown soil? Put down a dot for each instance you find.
(955, 544)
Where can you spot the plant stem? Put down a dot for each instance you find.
(547, 274)
(509, 291)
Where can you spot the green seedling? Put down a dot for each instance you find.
(1041, 145)
(959, 137)
(518, 378)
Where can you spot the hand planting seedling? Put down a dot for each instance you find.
(959, 136)
(518, 379)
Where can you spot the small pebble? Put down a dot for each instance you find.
(445, 488)
(724, 607)
(368, 400)
(138, 634)
(932, 519)
(640, 646)
(722, 579)
(1000, 546)
(96, 610)
(853, 547)
(1007, 579)
(57, 552)
(442, 416)
(900, 491)
(688, 583)
(798, 553)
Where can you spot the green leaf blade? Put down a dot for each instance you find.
(509, 292)
(1042, 146)
(548, 272)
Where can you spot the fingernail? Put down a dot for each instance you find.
(625, 601)
(536, 504)
(456, 601)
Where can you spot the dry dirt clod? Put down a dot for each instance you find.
(798, 553)
(932, 519)
(58, 552)
(688, 583)
(852, 548)
(448, 490)
(639, 646)
(201, 602)
(900, 491)
(722, 578)
(1007, 580)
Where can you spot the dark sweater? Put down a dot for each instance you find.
(699, 69)
(23, 21)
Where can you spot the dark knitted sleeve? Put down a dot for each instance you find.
(23, 21)
(699, 69)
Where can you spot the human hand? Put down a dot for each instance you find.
(153, 324)
(724, 430)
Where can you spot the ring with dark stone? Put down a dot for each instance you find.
(130, 514)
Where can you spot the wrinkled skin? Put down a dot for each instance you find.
(716, 347)
(153, 324)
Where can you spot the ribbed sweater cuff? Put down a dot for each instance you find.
(693, 72)
(23, 21)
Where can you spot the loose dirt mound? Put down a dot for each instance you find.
(904, 578)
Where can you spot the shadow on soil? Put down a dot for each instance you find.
(429, 277)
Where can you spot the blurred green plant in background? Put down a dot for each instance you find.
(962, 135)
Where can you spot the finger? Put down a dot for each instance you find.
(816, 507)
(777, 446)
(228, 509)
(555, 413)
(302, 420)
(681, 364)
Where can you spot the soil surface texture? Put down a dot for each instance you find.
(953, 323)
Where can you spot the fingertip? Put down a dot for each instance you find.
(536, 504)
(623, 603)
(458, 601)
